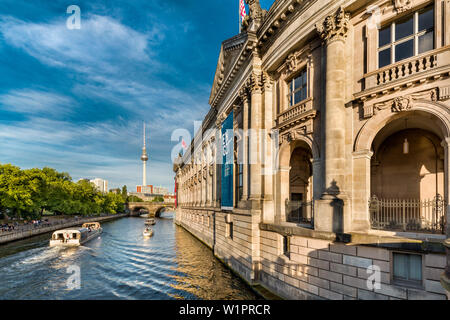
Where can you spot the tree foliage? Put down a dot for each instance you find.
(28, 193)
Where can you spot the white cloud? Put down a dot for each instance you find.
(96, 47)
(35, 102)
(104, 53)
(85, 150)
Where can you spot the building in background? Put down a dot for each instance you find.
(100, 184)
(144, 189)
(160, 190)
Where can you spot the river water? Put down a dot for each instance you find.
(120, 264)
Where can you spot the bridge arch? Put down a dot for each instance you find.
(154, 209)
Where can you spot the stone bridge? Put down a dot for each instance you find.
(153, 208)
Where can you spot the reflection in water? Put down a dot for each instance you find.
(121, 264)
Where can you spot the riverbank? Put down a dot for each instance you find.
(19, 235)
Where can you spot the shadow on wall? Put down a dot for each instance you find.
(332, 193)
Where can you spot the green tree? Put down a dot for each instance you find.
(124, 193)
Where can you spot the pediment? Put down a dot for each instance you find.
(229, 52)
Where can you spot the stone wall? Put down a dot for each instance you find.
(325, 270)
(314, 268)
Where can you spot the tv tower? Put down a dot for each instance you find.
(144, 159)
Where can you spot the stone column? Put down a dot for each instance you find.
(255, 141)
(445, 278)
(282, 178)
(361, 193)
(329, 213)
(243, 93)
(446, 144)
(217, 165)
(213, 174)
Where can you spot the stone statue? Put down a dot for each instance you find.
(255, 14)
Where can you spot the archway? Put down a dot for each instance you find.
(293, 188)
(137, 211)
(407, 174)
(299, 204)
(160, 212)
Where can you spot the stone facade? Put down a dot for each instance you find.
(341, 164)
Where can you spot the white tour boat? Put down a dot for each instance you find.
(76, 236)
(147, 233)
(150, 222)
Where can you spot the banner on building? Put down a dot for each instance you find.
(227, 163)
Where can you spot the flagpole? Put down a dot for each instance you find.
(239, 13)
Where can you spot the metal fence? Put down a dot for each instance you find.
(300, 212)
(408, 214)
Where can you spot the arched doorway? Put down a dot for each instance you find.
(407, 176)
(299, 206)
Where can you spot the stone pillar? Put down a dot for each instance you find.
(217, 166)
(361, 193)
(255, 141)
(282, 177)
(329, 213)
(243, 93)
(446, 24)
(213, 174)
(267, 124)
(445, 278)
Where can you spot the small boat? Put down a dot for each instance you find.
(76, 236)
(147, 233)
(150, 222)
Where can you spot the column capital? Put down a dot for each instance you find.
(255, 83)
(446, 143)
(334, 27)
(362, 154)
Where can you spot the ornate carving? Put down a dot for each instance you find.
(256, 82)
(291, 63)
(335, 26)
(237, 108)
(401, 104)
(255, 9)
(221, 118)
(255, 14)
(243, 94)
(267, 80)
(402, 5)
(294, 133)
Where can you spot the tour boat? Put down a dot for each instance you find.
(150, 222)
(147, 233)
(76, 236)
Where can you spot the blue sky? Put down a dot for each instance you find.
(75, 100)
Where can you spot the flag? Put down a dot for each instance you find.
(242, 12)
(183, 144)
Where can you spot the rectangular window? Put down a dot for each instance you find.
(230, 230)
(286, 246)
(407, 269)
(298, 88)
(407, 37)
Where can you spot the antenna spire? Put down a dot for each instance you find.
(144, 134)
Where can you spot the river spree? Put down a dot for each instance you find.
(120, 264)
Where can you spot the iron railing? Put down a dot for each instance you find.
(300, 212)
(408, 214)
